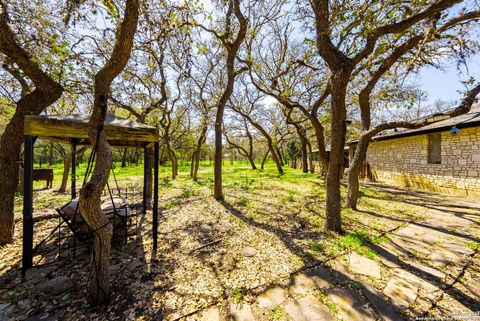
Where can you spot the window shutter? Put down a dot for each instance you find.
(435, 148)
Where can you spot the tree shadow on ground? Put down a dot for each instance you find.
(123, 251)
(429, 201)
(436, 228)
(435, 280)
(341, 279)
(369, 292)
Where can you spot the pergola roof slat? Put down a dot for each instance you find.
(119, 131)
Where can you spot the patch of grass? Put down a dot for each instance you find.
(188, 192)
(290, 196)
(247, 183)
(242, 201)
(238, 294)
(352, 240)
(355, 241)
(474, 246)
(416, 253)
(172, 203)
(165, 182)
(251, 215)
(13, 298)
(316, 247)
(323, 297)
(276, 313)
(379, 239)
(287, 277)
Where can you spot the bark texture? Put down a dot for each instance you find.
(196, 154)
(91, 192)
(232, 49)
(264, 159)
(45, 93)
(271, 147)
(67, 161)
(341, 68)
(339, 82)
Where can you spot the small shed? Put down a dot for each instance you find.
(73, 129)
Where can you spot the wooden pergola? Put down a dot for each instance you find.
(72, 129)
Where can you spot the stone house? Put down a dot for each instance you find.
(443, 156)
(316, 158)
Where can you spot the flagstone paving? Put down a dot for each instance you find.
(363, 265)
(427, 268)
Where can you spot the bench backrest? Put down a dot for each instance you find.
(42, 174)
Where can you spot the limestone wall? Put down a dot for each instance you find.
(404, 161)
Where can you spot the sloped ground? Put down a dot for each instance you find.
(262, 255)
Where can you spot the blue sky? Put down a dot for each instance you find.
(445, 84)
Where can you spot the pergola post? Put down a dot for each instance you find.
(144, 203)
(155, 195)
(74, 171)
(27, 258)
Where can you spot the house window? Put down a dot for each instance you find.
(435, 148)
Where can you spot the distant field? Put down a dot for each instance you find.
(129, 171)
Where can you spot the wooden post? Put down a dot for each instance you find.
(155, 195)
(144, 203)
(27, 257)
(74, 170)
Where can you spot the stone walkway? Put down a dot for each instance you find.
(427, 268)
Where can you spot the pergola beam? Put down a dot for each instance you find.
(118, 131)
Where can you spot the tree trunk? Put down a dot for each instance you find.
(172, 157)
(275, 157)
(320, 137)
(67, 163)
(279, 155)
(250, 145)
(46, 92)
(196, 166)
(232, 50)
(174, 165)
(304, 156)
(50, 155)
(91, 192)
(218, 157)
(264, 159)
(273, 150)
(89, 203)
(66, 171)
(252, 162)
(355, 166)
(339, 84)
(20, 180)
(124, 158)
(196, 154)
(192, 163)
(310, 158)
